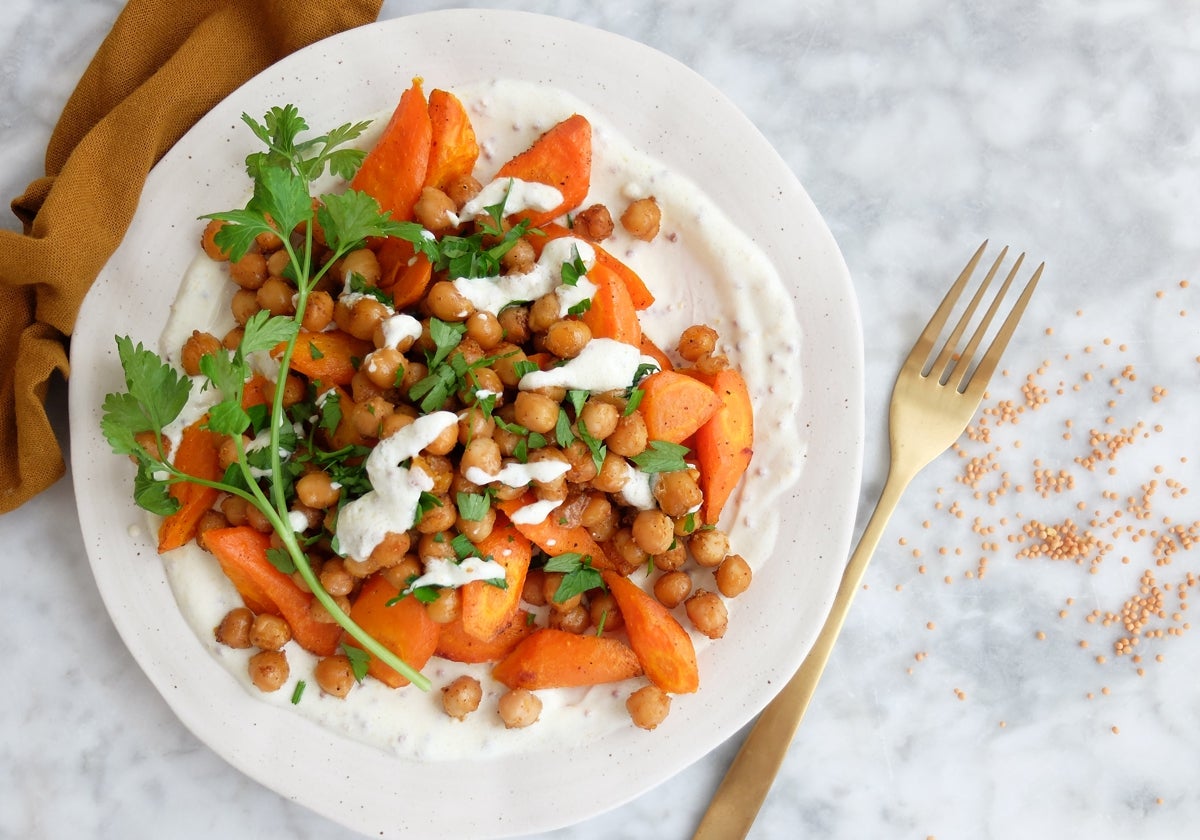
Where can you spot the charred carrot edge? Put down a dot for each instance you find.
(551, 658)
(453, 149)
(393, 172)
(457, 645)
(561, 158)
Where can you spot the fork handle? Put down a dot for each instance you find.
(741, 793)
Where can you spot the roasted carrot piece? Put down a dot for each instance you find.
(457, 645)
(199, 454)
(453, 149)
(411, 283)
(404, 628)
(242, 553)
(393, 172)
(649, 348)
(551, 658)
(674, 405)
(561, 158)
(327, 357)
(662, 645)
(554, 538)
(639, 293)
(254, 392)
(487, 609)
(612, 314)
(725, 444)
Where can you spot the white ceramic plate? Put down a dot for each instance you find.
(667, 111)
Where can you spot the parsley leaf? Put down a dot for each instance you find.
(473, 507)
(661, 456)
(359, 660)
(578, 575)
(573, 268)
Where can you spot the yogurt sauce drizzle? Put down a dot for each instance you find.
(702, 269)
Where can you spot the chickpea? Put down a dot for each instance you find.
(613, 475)
(334, 675)
(335, 579)
(440, 470)
(234, 508)
(275, 296)
(519, 708)
(294, 390)
(677, 493)
(707, 613)
(594, 223)
(583, 465)
(551, 581)
(461, 697)
(446, 608)
(566, 339)
(445, 442)
(436, 211)
(198, 345)
(362, 319)
(250, 272)
(364, 263)
(575, 620)
(233, 339)
(402, 573)
(596, 510)
(445, 302)
(268, 670)
(482, 453)
(462, 189)
(536, 412)
(712, 363)
(485, 328)
(696, 341)
(599, 418)
(318, 613)
(438, 519)
(672, 558)
(414, 372)
(277, 263)
(256, 520)
(653, 531)
(672, 588)
(733, 576)
(520, 258)
(210, 520)
(473, 423)
(368, 415)
(642, 218)
(630, 437)
(543, 312)
(384, 367)
(269, 632)
(708, 547)
(534, 591)
(507, 356)
(628, 549)
(318, 311)
(605, 613)
(391, 550)
(234, 629)
(514, 322)
(648, 706)
(244, 305)
(209, 241)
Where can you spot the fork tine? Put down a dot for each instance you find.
(947, 362)
(987, 365)
(968, 352)
(925, 341)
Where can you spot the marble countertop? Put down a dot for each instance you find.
(1019, 661)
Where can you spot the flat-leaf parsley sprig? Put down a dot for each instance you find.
(281, 204)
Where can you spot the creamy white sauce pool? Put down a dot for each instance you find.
(701, 269)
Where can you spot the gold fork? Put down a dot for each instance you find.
(933, 400)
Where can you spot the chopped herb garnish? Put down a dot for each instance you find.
(298, 692)
(661, 456)
(473, 507)
(578, 575)
(360, 660)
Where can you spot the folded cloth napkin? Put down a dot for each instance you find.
(163, 66)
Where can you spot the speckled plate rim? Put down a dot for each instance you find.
(680, 119)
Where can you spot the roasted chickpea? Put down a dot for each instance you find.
(543, 312)
(628, 549)
(630, 437)
(384, 367)
(403, 572)
(482, 453)
(653, 531)
(671, 559)
(446, 608)
(583, 465)
(250, 272)
(594, 223)
(361, 262)
(604, 612)
(334, 675)
(575, 620)
(473, 423)
(613, 475)
(708, 547)
(277, 263)
(268, 670)
(566, 339)
(514, 321)
(208, 241)
(198, 345)
(335, 579)
(599, 418)
(269, 632)
(234, 508)
(551, 581)
(707, 613)
(462, 189)
(445, 442)
(461, 697)
(519, 259)
(244, 305)
(642, 218)
(519, 708)
(477, 530)
(362, 319)
(648, 706)
(677, 492)
(436, 211)
(368, 416)
(696, 341)
(437, 519)
(712, 363)
(234, 629)
(507, 356)
(733, 576)
(445, 302)
(294, 390)
(672, 588)
(256, 520)
(318, 613)
(233, 339)
(485, 328)
(533, 592)
(318, 311)
(275, 295)
(391, 550)
(536, 412)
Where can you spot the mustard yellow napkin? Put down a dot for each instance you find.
(163, 66)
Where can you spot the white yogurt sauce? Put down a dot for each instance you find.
(602, 365)
(702, 269)
(494, 293)
(516, 194)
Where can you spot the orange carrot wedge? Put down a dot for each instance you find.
(557, 659)
(404, 628)
(662, 645)
(487, 609)
(198, 455)
(674, 406)
(327, 357)
(562, 158)
(638, 291)
(394, 171)
(453, 150)
(254, 392)
(554, 538)
(242, 553)
(457, 645)
(411, 283)
(725, 444)
(612, 314)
